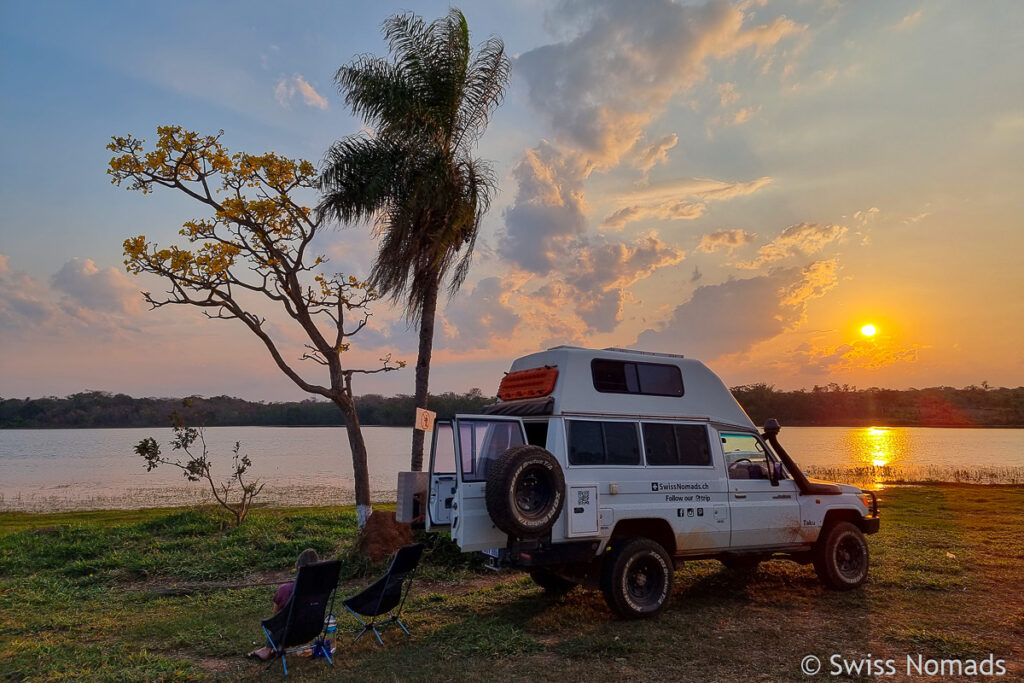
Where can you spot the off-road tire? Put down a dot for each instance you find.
(525, 491)
(637, 578)
(551, 583)
(841, 557)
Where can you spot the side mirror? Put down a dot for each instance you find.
(775, 472)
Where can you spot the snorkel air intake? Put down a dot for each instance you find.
(807, 487)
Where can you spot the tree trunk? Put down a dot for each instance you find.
(423, 370)
(360, 473)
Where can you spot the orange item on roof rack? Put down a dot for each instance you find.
(528, 383)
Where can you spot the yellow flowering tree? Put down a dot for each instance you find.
(255, 242)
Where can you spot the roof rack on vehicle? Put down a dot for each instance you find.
(643, 353)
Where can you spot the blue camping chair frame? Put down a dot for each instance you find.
(386, 596)
(305, 614)
(321, 647)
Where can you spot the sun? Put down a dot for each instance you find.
(868, 330)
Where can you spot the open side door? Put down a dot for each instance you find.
(480, 440)
(443, 482)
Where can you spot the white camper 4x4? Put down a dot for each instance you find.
(607, 467)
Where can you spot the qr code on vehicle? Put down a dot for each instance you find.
(583, 497)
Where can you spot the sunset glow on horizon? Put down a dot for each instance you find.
(794, 193)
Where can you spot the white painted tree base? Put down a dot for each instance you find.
(363, 513)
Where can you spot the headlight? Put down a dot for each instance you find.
(869, 502)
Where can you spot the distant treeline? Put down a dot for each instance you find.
(846, 406)
(103, 409)
(831, 405)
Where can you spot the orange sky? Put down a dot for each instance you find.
(747, 183)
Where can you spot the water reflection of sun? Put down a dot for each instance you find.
(877, 449)
(881, 447)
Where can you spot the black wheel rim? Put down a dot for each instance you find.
(645, 578)
(533, 493)
(850, 558)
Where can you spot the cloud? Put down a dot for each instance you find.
(681, 199)
(81, 299)
(484, 316)
(814, 282)
(865, 216)
(647, 157)
(744, 114)
(733, 316)
(618, 265)
(857, 356)
(23, 302)
(908, 22)
(548, 211)
(603, 272)
(724, 239)
(594, 288)
(802, 239)
(287, 88)
(729, 114)
(704, 189)
(85, 285)
(587, 294)
(599, 89)
(666, 211)
(603, 86)
(727, 94)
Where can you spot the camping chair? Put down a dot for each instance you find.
(301, 620)
(386, 596)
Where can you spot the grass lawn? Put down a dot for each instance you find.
(166, 594)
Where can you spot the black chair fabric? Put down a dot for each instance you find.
(302, 618)
(384, 594)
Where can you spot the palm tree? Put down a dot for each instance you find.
(415, 175)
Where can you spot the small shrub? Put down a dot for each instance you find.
(235, 494)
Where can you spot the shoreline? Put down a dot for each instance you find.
(862, 425)
(339, 499)
(181, 497)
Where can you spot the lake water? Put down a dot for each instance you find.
(64, 469)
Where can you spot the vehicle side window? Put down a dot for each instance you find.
(675, 444)
(603, 443)
(745, 456)
(444, 449)
(536, 433)
(481, 442)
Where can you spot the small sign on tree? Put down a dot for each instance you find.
(425, 419)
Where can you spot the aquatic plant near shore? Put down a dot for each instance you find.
(881, 475)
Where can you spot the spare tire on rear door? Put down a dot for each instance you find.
(525, 491)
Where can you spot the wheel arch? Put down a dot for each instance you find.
(654, 528)
(834, 516)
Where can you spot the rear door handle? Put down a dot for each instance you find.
(741, 495)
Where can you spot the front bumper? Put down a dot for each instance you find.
(870, 523)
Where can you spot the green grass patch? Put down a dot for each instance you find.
(178, 594)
